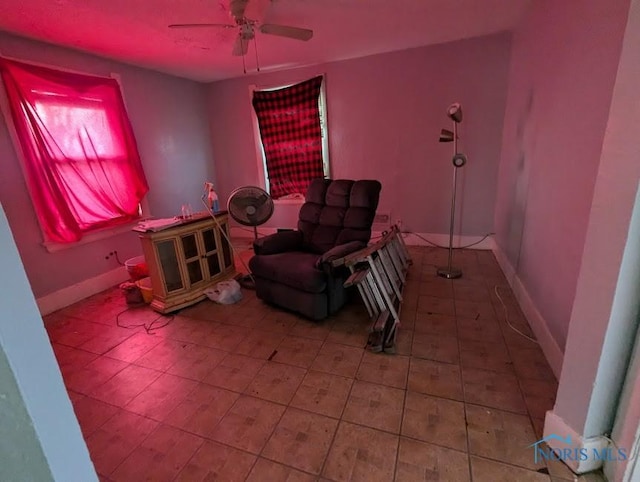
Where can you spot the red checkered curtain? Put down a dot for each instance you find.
(289, 122)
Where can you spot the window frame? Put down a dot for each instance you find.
(91, 235)
(261, 160)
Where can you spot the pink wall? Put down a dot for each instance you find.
(171, 125)
(385, 113)
(564, 60)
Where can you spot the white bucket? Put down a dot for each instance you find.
(136, 267)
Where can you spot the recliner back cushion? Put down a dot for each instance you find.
(336, 212)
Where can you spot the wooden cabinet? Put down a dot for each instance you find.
(186, 259)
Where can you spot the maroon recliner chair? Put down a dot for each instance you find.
(292, 269)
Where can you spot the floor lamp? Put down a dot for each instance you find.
(454, 112)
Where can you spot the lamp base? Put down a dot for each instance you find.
(449, 273)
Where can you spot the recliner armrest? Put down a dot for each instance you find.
(278, 243)
(340, 251)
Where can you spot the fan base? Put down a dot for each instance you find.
(247, 282)
(449, 273)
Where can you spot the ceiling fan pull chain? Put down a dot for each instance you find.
(244, 66)
(255, 47)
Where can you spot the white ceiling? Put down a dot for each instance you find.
(136, 32)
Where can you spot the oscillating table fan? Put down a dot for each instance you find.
(250, 206)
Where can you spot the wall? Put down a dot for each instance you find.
(617, 366)
(604, 319)
(41, 438)
(565, 56)
(170, 122)
(22, 456)
(384, 117)
(626, 430)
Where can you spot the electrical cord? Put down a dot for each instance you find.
(149, 328)
(630, 456)
(447, 247)
(250, 231)
(416, 235)
(506, 318)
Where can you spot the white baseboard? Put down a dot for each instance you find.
(411, 239)
(554, 425)
(69, 295)
(548, 343)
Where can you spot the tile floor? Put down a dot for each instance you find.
(249, 392)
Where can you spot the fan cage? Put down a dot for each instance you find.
(248, 198)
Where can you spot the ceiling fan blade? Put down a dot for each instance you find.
(286, 31)
(257, 8)
(240, 47)
(190, 25)
(237, 8)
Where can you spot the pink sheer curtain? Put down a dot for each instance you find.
(82, 162)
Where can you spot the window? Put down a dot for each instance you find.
(79, 153)
(291, 136)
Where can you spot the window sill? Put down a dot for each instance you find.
(94, 236)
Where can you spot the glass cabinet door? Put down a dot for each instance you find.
(210, 246)
(192, 258)
(168, 258)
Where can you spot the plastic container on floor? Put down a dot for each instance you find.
(145, 288)
(132, 293)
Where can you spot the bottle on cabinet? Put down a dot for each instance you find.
(212, 198)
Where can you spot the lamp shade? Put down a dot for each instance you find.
(446, 135)
(455, 112)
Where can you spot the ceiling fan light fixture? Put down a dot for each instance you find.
(247, 31)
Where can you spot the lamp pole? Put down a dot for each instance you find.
(459, 160)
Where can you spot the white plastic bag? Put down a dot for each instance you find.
(225, 292)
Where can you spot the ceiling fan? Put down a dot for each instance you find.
(247, 28)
